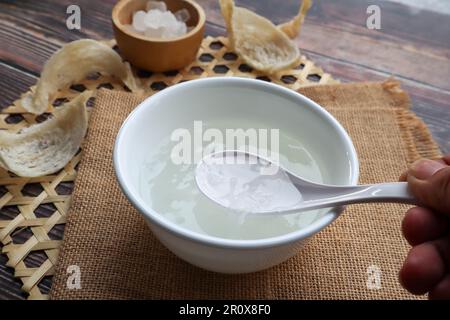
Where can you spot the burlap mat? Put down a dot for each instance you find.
(120, 259)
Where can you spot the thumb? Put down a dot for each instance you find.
(429, 181)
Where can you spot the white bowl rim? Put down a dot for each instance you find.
(179, 231)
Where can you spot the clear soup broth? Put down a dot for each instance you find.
(170, 189)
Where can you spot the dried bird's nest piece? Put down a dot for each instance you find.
(260, 43)
(73, 63)
(293, 27)
(46, 147)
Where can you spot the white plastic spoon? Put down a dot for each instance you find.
(246, 182)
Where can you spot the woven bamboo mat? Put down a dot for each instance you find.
(33, 211)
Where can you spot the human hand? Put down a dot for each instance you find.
(427, 228)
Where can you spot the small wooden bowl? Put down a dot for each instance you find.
(153, 54)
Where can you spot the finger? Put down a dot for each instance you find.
(404, 175)
(442, 290)
(434, 191)
(421, 225)
(422, 269)
(446, 159)
(443, 247)
(423, 169)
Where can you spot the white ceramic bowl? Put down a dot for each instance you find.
(159, 115)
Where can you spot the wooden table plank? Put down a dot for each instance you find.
(429, 103)
(13, 82)
(340, 31)
(9, 286)
(29, 44)
(413, 46)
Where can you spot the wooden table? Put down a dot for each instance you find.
(412, 45)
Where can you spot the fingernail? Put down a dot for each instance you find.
(424, 169)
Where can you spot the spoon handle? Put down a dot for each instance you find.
(397, 192)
